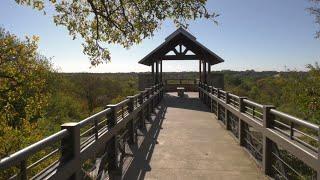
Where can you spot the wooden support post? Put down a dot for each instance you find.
(152, 72)
(200, 74)
(112, 147)
(161, 72)
(199, 91)
(211, 101)
(23, 175)
(226, 112)
(205, 72)
(209, 98)
(71, 148)
(202, 86)
(209, 68)
(268, 120)
(157, 72)
(148, 105)
(152, 99)
(217, 111)
(205, 95)
(241, 123)
(140, 100)
(132, 137)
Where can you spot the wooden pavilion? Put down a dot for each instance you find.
(181, 45)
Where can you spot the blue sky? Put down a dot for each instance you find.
(252, 34)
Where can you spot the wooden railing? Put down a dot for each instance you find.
(67, 153)
(285, 147)
(190, 85)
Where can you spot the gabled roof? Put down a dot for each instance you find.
(181, 37)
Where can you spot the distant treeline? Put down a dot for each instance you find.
(294, 92)
(35, 99)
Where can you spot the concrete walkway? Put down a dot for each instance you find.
(185, 141)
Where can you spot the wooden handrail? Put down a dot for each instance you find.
(73, 151)
(272, 136)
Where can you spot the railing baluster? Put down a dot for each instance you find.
(211, 101)
(131, 122)
(226, 116)
(140, 99)
(70, 149)
(112, 147)
(253, 109)
(23, 170)
(96, 135)
(291, 130)
(241, 122)
(149, 104)
(268, 119)
(218, 111)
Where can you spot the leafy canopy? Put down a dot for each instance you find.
(124, 22)
(315, 10)
(24, 76)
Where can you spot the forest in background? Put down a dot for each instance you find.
(294, 92)
(35, 99)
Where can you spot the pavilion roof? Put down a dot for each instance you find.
(184, 46)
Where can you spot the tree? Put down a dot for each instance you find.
(124, 22)
(315, 10)
(24, 76)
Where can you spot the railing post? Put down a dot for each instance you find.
(204, 94)
(162, 92)
(159, 94)
(241, 123)
(152, 99)
(268, 120)
(210, 91)
(208, 97)
(199, 86)
(112, 147)
(200, 91)
(195, 84)
(218, 96)
(71, 148)
(226, 112)
(132, 121)
(149, 105)
(140, 99)
(23, 170)
(96, 131)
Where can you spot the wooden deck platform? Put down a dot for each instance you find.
(185, 141)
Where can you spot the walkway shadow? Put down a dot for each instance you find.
(142, 152)
(186, 102)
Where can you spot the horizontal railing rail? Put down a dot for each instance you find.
(285, 146)
(101, 134)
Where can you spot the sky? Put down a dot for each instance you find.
(252, 34)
